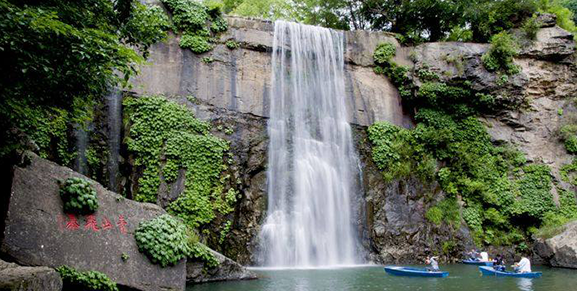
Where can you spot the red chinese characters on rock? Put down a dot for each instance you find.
(106, 225)
(121, 224)
(72, 223)
(91, 223)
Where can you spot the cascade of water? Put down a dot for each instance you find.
(114, 102)
(312, 160)
(81, 137)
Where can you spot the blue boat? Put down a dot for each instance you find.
(478, 263)
(492, 272)
(414, 272)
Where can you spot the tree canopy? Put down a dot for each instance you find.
(58, 53)
(414, 20)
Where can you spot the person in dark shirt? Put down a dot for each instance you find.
(499, 263)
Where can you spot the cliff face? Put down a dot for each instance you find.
(230, 88)
(239, 79)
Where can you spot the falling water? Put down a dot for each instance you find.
(114, 102)
(81, 137)
(311, 174)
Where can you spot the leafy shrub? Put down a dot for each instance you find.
(568, 172)
(446, 210)
(147, 24)
(202, 253)
(564, 15)
(198, 22)
(207, 60)
(197, 44)
(384, 53)
(571, 145)
(164, 240)
(89, 280)
(78, 196)
(492, 17)
(434, 215)
(534, 187)
(232, 44)
(531, 26)
(500, 56)
(568, 134)
(187, 15)
(396, 152)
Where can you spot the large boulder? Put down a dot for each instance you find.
(227, 270)
(17, 278)
(560, 250)
(38, 233)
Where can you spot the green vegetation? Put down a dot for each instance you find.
(164, 137)
(164, 240)
(89, 280)
(78, 196)
(530, 27)
(568, 135)
(198, 22)
(232, 44)
(504, 198)
(447, 210)
(60, 56)
(500, 56)
(202, 253)
(563, 9)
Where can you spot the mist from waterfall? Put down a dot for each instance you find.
(312, 161)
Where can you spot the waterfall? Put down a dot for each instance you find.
(81, 143)
(312, 160)
(114, 103)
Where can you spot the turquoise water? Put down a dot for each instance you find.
(461, 278)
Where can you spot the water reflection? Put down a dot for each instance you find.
(461, 278)
(525, 284)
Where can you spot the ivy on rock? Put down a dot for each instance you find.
(164, 240)
(165, 137)
(504, 199)
(88, 280)
(78, 196)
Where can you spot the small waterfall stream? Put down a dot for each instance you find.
(114, 103)
(81, 143)
(312, 159)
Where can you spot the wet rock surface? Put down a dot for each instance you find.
(227, 270)
(38, 233)
(560, 250)
(396, 230)
(17, 278)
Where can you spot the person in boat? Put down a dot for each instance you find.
(473, 255)
(499, 263)
(484, 257)
(434, 264)
(523, 266)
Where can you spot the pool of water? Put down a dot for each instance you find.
(366, 278)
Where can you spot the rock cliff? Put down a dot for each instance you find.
(233, 86)
(230, 88)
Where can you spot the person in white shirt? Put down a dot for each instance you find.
(434, 264)
(523, 266)
(484, 256)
